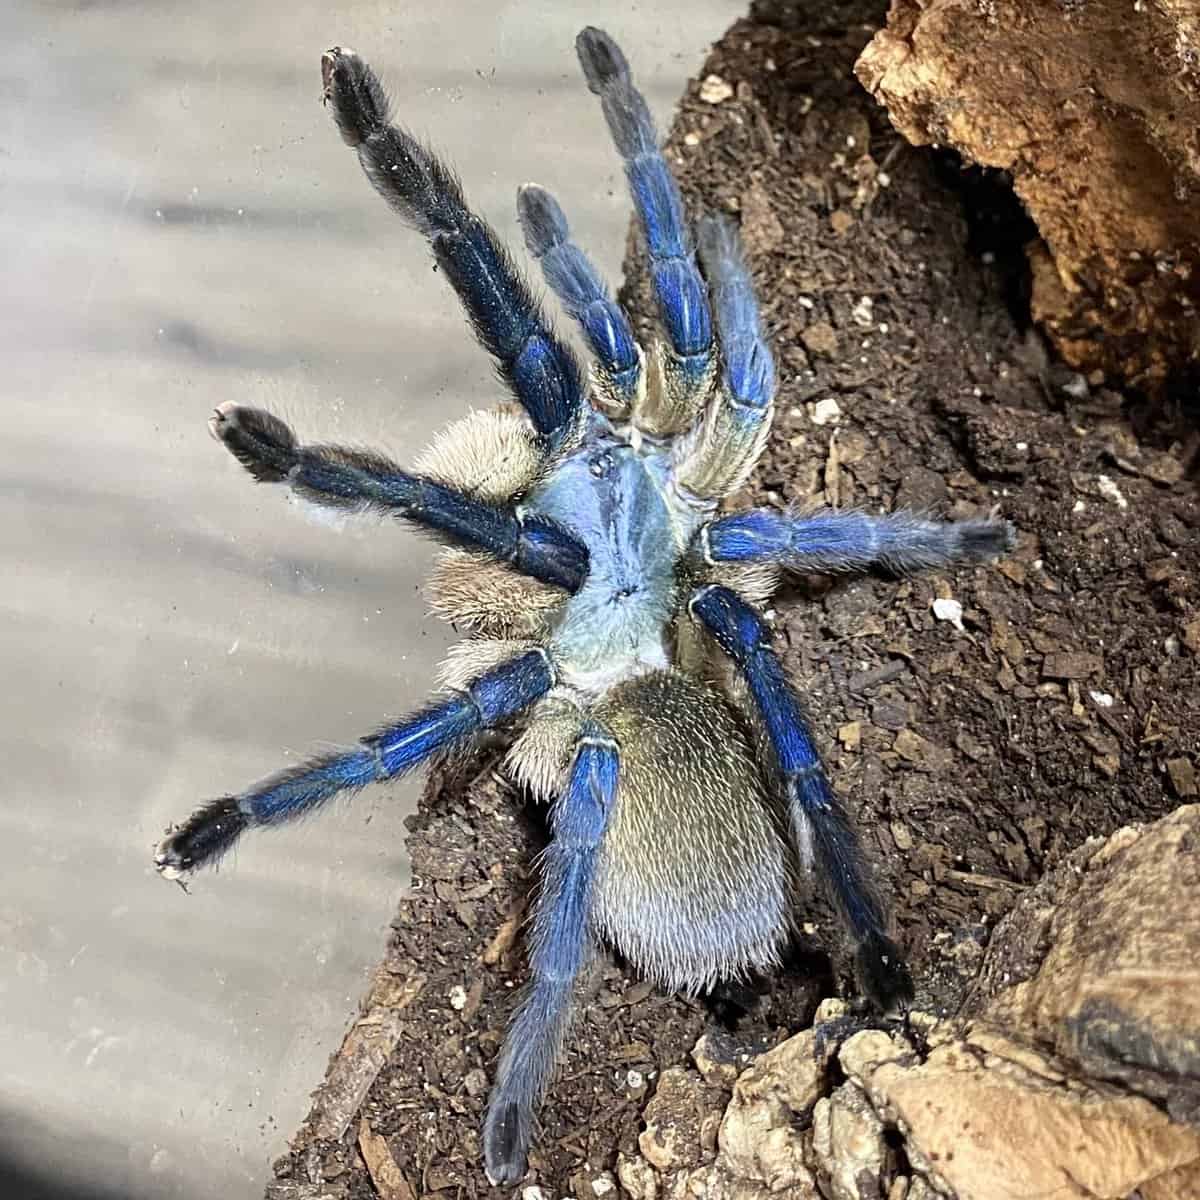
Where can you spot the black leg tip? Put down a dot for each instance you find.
(505, 1143)
(884, 974)
(262, 443)
(201, 839)
(983, 540)
(355, 95)
(601, 58)
(542, 220)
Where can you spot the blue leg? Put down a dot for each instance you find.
(737, 424)
(748, 368)
(820, 826)
(353, 479)
(493, 698)
(558, 947)
(828, 541)
(570, 275)
(681, 295)
(541, 370)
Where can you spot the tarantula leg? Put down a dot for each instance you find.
(829, 541)
(560, 943)
(819, 825)
(490, 700)
(618, 374)
(688, 363)
(720, 454)
(540, 369)
(338, 477)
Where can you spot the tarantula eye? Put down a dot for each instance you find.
(601, 464)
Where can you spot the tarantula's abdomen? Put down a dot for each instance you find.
(694, 882)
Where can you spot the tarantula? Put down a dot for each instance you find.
(616, 609)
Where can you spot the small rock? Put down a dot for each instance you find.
(500, 945)
(825, 411)
(830, 1009)
(890, 715)
(860, 1054)
(714, 90)
(761, 1137)
(715, 1058)
(1071, 664)
(671, 1138)
(863, 313)
(534, 1193)
(638, 1178)
(949, 610)
(475, 1082)
(919, 751)
(1111, 492)
(1103, 699)
(820, 338)
(901, 836)
(841, 221)
(1183, 777)
(458, 997)
(1164, 468)
(1191, 635)
(848, 1141)
(603, 1185)
(850, 734)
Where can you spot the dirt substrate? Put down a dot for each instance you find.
(976, 755)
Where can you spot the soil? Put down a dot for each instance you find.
(976, 758)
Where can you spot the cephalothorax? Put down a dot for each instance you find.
(614, 605)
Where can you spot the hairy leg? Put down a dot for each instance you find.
(539, 368)
(338, 477)
(559, 945)
(572, 277)
(491, 699)
(820, 826)
(829, 541)
(679, 290)
(720, 455)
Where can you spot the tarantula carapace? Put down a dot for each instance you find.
(616, 608)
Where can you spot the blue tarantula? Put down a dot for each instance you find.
(616, 609)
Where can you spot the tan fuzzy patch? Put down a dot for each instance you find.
(693, 882)
(490, 454)
(669, 403)
(475, 592)
(719, 456)
(539, 758)
(466, 661)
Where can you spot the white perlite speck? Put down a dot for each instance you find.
(825, 411)
(458, 997)
(1111, 492)
(949, 610)
(714, 89)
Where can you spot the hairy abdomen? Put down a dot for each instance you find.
(694, 882)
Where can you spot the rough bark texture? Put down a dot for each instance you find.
(1094, 108)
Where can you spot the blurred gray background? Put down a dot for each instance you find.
(181, 225)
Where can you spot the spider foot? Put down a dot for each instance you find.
(884, 974)
(506, 1135)
(262, 443)
(988, 539)
(202, 838)
(360, 106)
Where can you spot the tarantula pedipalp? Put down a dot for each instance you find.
(609, 595)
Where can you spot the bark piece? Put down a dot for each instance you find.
(1094, 108)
